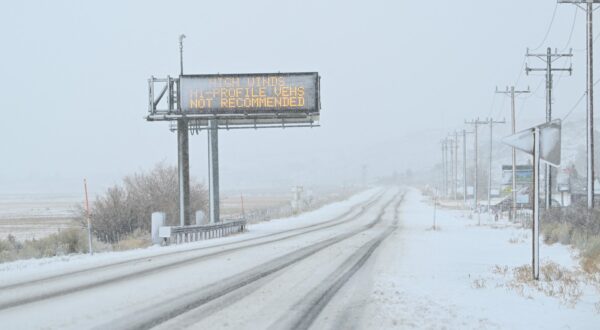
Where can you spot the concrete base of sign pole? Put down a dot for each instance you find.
(200, 217)
(158, 220)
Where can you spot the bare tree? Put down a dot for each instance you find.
(124, 209)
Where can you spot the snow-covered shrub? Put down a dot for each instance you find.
(578, 226)
(126, 208)
(591, 255)
(67, 241)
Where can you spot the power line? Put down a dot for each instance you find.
(578, 102)
(549, 28)
(575, 106)
(521, 71)
(493, 103)
(501, 108)
(572, 29)
(526, 98)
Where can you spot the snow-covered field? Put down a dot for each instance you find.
(370, 262)
(36, 216)
(461, 276)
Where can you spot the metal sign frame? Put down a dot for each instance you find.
(164, 105)
(543, 142)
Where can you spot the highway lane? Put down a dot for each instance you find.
(293, 275)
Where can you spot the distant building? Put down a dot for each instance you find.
(524, 182)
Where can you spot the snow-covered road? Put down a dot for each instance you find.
(371, 262)
(280, 273)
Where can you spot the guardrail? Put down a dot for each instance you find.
(185, 234)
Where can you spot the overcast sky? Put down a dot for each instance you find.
(397, 76)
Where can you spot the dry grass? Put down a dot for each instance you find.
(518, 239)
(68, 241)
(132, 243)
(500, 270)
(555, 281)
(65, 242)
(478, 283)
(138, 239)
(591, 255)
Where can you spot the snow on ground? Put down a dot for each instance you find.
(24, 270)
(461, 276)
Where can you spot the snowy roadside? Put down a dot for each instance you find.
(468, 276)
(30, 269)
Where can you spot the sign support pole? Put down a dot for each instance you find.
(535, 238)
(183, 155)
(543, 142)
(213, 134)
(183, 165)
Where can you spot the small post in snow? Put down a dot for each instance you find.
(87, 215)
(434, 207)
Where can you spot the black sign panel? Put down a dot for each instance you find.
(249, 94)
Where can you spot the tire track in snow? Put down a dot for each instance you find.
(61, 291)
(160, 312)
(305, 312)
(365, 204)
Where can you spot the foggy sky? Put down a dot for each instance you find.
(396, 77)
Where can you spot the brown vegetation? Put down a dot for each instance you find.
(73, 240)
(128, 207)
(575, 226)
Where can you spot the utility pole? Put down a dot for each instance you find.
(447, 166)
(444, 168)
(455, 179)
(491, 122)
(512, 92)
(549, 58)
(464, 150)
(589, 9)
(451, 149)
(183, 155)
(454, 160)
(476, 124)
